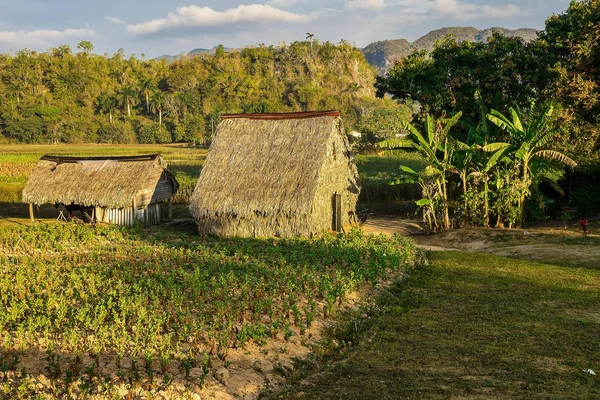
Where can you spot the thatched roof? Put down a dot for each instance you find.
(265, 164)
(94, 181)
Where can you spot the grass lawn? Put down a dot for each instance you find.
(377, 171)
(471, 325)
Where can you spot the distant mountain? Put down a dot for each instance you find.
(167, 57)
(194, 52)
(209, 51)
(384, 54)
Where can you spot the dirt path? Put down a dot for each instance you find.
(549, 244)
(389, 226)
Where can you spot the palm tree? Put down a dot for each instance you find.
(146, 87)
(437, 151)
(106, 104)
(157, 102)
(127, 97)
(529, 137)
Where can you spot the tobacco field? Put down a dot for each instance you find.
(105, 305)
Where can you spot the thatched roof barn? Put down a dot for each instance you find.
(117, 190)
(276, 175)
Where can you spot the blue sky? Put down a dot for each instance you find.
(154, 27)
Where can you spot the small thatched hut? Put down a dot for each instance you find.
(118, 190)
(276, 175)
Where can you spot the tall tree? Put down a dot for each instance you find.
(157, 103)
(127, 96)
(105, 104)
(147, 86)
(85, 46)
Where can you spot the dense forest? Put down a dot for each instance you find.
(63, 97)
(559, 68)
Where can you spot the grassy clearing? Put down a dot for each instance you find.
(470, 326)
(557, 246)
(144, 307)
(377, 171)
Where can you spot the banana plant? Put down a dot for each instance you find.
(435, 146)
(529, 137)
(430, 201)
(471, 162)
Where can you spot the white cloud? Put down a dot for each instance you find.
(501, 12)
(114, 20)
(203, 18)
(41, 37)
(364, 4)
(282, 3)
(468, 11)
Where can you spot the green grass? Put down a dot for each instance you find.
(377, 171)
(470, 325)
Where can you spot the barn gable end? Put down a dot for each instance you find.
(275, 175)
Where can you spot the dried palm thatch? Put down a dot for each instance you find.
(111, 182)
(275, 175)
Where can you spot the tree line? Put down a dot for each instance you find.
(505, 156)
(60, 96)
(560, 68)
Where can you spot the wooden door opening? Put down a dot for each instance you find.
(337, 212)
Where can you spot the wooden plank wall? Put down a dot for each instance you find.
(149, 215)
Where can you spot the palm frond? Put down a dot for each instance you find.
(409, 127)
(493, 160)
(489, 148)
(482, 126)
(501, 121)
(542, 120)
(461, 145)
(523, 150)
(425, 146)
(557, 156)
(546, 138)
(450, 122)
(408, 170)
(430, 128)
(517, 120)
(531, 113)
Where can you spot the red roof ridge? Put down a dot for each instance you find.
(283, 116)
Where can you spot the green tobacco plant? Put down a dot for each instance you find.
(147, 299)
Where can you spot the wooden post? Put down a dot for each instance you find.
(337, 212)
(170, 210)
(31, 212)
(134, 210)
